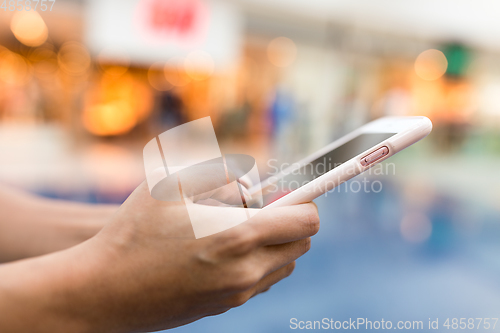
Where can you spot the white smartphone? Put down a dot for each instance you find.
(342, 160)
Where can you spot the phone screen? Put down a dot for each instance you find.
(303, 175)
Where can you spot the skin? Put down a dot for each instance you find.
(145, 271)
(32, 226)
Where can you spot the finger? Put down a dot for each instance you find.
(245, 181)
(264, 283)
(264, 291)
(230, 194)
(233, 194)
(274, 257)
(198, 180)
(279, 225)
(207, 178)
(269, 280)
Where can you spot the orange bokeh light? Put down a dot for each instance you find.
(116, 105)
(14, 69)
(113, 118)
(431, 65)
(74, 58)
(175, 74)
(199, 65)
(29, 28)
(157, 79)
(281, 52)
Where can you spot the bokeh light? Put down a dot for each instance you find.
(14, 69)
(74, 59)
(113, 63)
(44, 61)
(156, 77)
(29, 28)
(116, 105)
(431, 65)
(113, 118)
(415, 227)
(115, 71)
(281, 52)
(199, 65)
(175, 73)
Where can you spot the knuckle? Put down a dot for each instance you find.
(311, 220)
(244, 241)
(238, 242)
(306, 244)
(238, 299)
(248, 239)
(245, 279)
(265, 290)
(289, 269)
(221, 311)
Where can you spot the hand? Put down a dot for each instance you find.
(155, 275)
(145, 270)
(206, 184)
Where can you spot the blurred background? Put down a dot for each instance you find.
(85, 85)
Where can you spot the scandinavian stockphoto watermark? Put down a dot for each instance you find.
(287, 177)
(185, 164)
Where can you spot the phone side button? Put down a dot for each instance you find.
(375, 156)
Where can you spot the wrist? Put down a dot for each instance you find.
(86, 299)
(49, 226)
(51, 293)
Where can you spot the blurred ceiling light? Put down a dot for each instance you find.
(416, 227)
(14, 70)
(431, 65)
(113, 118)
(29, 28)
(175, 73)
(281, 52)
(199, 65)
(156, 77)
(74, 58)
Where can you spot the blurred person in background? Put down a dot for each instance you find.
(136, 267)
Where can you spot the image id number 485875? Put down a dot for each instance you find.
(470, 323)
(20, 5)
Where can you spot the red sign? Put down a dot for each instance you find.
(182, 22)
